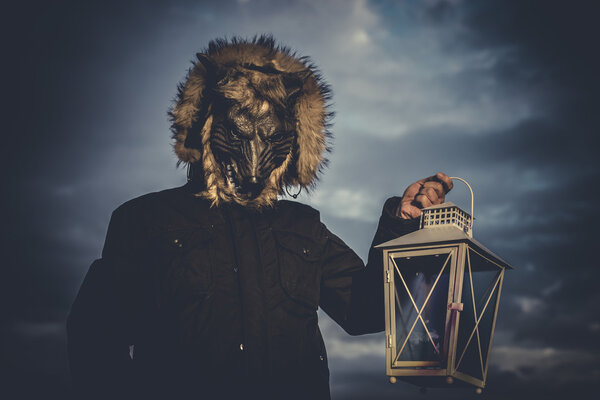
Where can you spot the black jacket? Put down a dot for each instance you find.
(190, 301)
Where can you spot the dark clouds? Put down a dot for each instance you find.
(553, 51)
(512, 89)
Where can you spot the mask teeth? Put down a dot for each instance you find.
(230, 177)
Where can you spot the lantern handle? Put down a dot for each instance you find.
(472, 196)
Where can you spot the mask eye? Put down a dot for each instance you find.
(233, 134)
(278, 137)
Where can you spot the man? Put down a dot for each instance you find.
(211, 290)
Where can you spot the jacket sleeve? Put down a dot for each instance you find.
(97, 326)
(352, 294)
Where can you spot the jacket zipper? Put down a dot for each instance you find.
(239, 284)
(264, 290)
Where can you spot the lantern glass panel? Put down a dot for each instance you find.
(421, 297)
(479, 296)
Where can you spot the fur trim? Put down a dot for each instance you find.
(257, 74)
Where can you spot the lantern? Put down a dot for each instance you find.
(442, 290)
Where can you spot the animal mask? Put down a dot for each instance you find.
(251, 120)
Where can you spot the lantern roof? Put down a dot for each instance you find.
(440, 235)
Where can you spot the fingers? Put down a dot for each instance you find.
(408, 211)
(424, 193)
(427, 197)
(430, 194)
(443, 179)
(435, 186)
(412, 191)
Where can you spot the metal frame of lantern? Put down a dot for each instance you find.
(450, 262)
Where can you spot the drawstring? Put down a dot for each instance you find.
(295, 196)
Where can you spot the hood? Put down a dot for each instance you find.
(252, 72)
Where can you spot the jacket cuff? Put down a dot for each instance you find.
(392, 225)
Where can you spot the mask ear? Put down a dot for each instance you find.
(293, 83)
(189, 115)
(210, 67)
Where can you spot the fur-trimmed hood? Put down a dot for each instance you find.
(253, 73)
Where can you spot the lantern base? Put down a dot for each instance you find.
(455, 380)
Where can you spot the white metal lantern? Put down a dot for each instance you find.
(442, 290)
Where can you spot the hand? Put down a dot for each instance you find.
(424, 193)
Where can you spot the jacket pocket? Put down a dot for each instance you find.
(300, 259)
(187, 260)
(185, 279)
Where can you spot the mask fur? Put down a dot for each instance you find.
(255, 75)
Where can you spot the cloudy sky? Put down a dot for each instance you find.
(501, 93)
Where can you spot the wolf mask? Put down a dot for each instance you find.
(251, 120)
